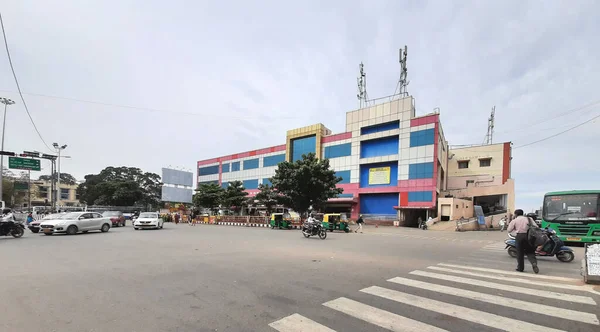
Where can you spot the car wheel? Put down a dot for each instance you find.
(72, 230)
(136, 228)
(105, 228)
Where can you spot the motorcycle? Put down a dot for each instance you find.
(423, 225)
(313, 229)
(11, 228)
(558, 249)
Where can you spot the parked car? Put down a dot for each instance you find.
(74, 222)
(148, 220)
(34, 226)
(116, 217)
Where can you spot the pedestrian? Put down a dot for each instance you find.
(359, 222)
(176, 218)
(521, 225)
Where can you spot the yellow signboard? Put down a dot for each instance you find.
(379, 175)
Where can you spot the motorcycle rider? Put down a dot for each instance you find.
(311, 222)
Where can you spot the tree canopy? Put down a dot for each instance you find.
(267, 196)
(235, 196)
(121, 186)
(208, 196)
(306, 182)
(64, 178)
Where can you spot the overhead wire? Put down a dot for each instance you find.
(12, 68)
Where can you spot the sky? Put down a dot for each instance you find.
(202, 79)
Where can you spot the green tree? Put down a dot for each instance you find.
(235, 196)
(306, 182)
(121, 186)
(64, 178)
(268, 197)
(208, 196)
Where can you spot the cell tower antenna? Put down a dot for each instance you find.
(403, 82)
(362, 86)
(489, 137)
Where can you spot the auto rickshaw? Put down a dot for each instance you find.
(280, 221)
(333, 221)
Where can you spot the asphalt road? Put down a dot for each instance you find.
(225, 278)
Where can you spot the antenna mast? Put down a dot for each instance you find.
(489, 137)
(400, 91)
(362, 87)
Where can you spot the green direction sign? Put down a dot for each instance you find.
(21, 185)
(24, 163)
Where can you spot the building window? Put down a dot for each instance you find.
(251, 184)
(380, 127)
(304, 145)
(420, 171)
(235, 166)
(336, 151)
(420, 196)
(273, 160)
(208, 182)
(422, 137)
(64, 193)
(267, 182)
(463, 164)
(345, 175)
(379, 147)
(225, 168)
(208, 170)
(470, 182)
(487, 162)
(44, 192)
(251, 164)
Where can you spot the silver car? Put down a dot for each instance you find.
(74, 222)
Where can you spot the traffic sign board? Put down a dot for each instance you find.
(24, 163)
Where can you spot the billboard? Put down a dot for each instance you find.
(179, 195)
(177, 177)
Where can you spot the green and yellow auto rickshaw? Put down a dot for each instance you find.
(333, 221)
(280, 221)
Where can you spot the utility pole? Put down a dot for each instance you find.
(52, 159)
(6, 102)
(59, 148)
(29, 190)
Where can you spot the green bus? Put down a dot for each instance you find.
(574, 215)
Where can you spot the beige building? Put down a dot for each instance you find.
(67, 194)
(481, 174)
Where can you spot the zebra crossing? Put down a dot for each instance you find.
(473, 296)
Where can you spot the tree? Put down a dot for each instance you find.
(208, 196)
(121, 186)
(267, 196)
(235, 195)
(64, 178)
(306, 182)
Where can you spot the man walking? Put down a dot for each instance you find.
(359, 222)
(521, 225)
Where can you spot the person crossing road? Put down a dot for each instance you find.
(521, 225)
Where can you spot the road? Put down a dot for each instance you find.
(226, 278)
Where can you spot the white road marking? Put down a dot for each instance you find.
(381, 318)
(471, 315)
(298, 323)
(509, 288)
(542, 309)
(537, 276)
(508, 279)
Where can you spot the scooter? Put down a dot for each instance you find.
(562, 252)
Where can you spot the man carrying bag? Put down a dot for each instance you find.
(528, 234)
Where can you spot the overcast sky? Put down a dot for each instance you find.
(231, 76)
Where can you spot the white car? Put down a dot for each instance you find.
(148, 220)
(74, 222)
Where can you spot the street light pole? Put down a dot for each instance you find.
(59, 148)
(6, 102)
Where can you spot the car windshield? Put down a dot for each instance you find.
(148, 215)
(572, 207)
(71, 216)
(111, 214)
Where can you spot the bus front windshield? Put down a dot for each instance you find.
(572, 207)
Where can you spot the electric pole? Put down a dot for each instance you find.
(6, 102)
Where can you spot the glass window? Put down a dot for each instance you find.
(225, 168)
(345, 175)
(235, 166)
(421, 137)
(302, 146)
(251, 164)
(379, 147)
(463, 164)
(572, 207)
(380, 127)
(485, 162)
(336, 151)
(208, 170)
(420, 171)
(64, 194)
(251, 184)
(420, 196)
(273, 160)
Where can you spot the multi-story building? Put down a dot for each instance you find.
(67, 194)
(393, 164)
